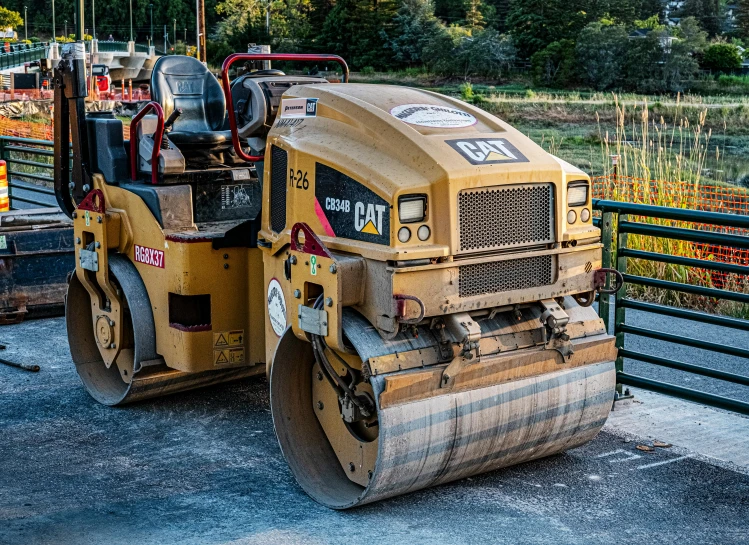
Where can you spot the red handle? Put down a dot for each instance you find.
(156, 141)
(231, 59)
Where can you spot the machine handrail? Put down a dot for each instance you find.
(156, 141)
(231, 59)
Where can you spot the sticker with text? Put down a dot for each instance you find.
(149, 256)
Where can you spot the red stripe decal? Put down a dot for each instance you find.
(323, 220)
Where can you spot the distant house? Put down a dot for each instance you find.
(666, 41)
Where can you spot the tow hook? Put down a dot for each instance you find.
(599, 280)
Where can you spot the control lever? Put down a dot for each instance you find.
(168, 127)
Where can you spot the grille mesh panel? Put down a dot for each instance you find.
(498, 276)
(506, 216)
(279, 164)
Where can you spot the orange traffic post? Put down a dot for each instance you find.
(130, 89)
(4, 194)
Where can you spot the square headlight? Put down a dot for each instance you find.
(412, 208)
(577, 193)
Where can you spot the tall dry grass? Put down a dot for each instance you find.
(661, 162)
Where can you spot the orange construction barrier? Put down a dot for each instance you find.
(4, 195)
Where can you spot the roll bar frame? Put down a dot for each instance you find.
(231, 59)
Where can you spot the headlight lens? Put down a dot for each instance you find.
(585, 214)
(404, 234)
(412, 208)
(571, 216)
(423, 232)
(577, 193)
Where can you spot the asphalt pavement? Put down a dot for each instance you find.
(205, 467)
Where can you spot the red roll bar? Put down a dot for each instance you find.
(156, 141)
(231, 59)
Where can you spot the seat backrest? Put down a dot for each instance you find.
(184, 82)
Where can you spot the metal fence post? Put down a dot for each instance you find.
(619, 310)
(607, 234)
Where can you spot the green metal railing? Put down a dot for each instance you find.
(29, 180)
(21, 53)
(615, 227)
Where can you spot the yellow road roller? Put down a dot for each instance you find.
(413, 274)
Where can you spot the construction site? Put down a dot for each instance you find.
(269, 304)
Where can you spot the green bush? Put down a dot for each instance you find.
(368, 70)
(733, 81)
(721, 57)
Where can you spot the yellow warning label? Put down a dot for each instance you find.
(225, 339)
(228, 356)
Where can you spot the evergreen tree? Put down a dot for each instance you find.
(534, 24)
(709, 13)
(742, 19)
(353, 30)
(474, 17)
(414, 25)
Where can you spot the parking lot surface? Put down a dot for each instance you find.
(205, 467)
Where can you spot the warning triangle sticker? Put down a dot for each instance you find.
(370, 228)
(221, 341)
(222, 358)
(494, 156)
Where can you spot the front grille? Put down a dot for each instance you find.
(509, 275)
(506, 216)
(279, 164)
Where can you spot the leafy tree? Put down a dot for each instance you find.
(600, 54)
(721, 57)
(691, 35)
(651, 23)
(458, 51)
(414, 25)
(9, 18)
(554, 66)
(659, 63)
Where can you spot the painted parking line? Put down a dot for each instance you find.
(628, 456)
(663, 462)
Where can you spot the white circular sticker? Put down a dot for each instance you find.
(433, 115)
(276, 307)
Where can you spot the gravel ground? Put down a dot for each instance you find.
(205, 467)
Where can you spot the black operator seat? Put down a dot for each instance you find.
(184, 82)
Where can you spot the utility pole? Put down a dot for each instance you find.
(54, 30)
(200, 16)
(66, 28)
(267, 19)
(79, 20)
(151, 38)
(25, 23)
(131, 20)
(165, 36)
(185, 40)
(175, 37)
(93, 18)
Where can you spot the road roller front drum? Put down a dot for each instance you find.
(446, 435)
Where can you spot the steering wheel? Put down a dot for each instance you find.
(250, 105)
